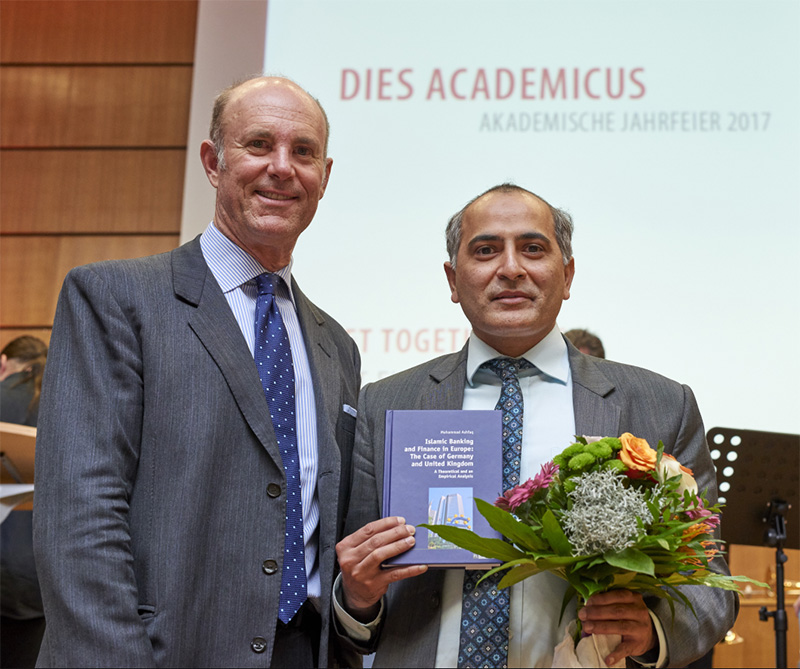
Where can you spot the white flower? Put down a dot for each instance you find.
(603, 514)
(671, 467)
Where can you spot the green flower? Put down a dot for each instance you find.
(581, 461)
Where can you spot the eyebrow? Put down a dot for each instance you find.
(306, 140)
(497, 238)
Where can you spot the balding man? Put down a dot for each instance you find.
(197, 423)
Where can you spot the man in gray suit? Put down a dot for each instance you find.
(510, 269)
(161, 530)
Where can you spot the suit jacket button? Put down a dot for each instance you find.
(273, 490)
(269, 566)
(258, 644)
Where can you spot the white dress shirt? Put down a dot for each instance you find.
(235, 271)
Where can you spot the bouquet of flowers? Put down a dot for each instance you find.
(606, 513)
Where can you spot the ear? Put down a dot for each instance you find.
(450, 272)
(208, 156)
(328, 166)
(569, 274)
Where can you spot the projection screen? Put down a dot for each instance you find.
(670, 131)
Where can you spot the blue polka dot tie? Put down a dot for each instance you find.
(273, 357)
(485, 608)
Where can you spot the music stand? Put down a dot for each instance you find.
(758, 476)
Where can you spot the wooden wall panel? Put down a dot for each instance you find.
(75, 106)
(98, 31)
(94, 100)
(754, 643)
(91, 191)
(25, 258)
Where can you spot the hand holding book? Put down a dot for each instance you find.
(361, 555)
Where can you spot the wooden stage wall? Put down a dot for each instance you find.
(94, 98)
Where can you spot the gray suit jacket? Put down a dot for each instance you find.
(155, 511)
(609, 398)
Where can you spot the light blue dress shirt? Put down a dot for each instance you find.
(548, 427)
(235, 271)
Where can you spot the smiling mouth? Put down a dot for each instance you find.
(270, 195)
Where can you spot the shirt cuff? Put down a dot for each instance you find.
(647, 659)
(361, 633)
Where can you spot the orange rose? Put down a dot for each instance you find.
(636, 453)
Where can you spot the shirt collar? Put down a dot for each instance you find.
(231, 265)
(549, 356)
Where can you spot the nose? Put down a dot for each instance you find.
(510, 266)
(280, 163)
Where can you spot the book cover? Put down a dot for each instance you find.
(436, 464)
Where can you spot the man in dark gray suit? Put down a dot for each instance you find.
(161, 495)
(510, 269)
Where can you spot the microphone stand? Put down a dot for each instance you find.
(775, 535)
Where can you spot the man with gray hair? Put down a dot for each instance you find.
(197, 424)
(510, 269)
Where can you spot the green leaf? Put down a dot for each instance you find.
(517, 574)
(555, 535)
(515, 531)
(632, 560)
(622, 580)
(468, 540)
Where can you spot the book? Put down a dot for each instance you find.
(436, 463)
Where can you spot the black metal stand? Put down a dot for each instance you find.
(775, 535)
(754, 468)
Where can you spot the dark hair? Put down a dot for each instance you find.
(562, 222)
(216, 133)
(32, 352)
(584, 339)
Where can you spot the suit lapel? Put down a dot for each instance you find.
(596, 412)
(323, 360)
(448, 378)
(325, 373)
(215, 326)
(443, 389)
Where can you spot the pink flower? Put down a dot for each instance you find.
(502, 501)
(512, 499)
(545, 477)
(521, 494)
(701, 513)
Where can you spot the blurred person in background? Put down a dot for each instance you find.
(22, 620)
(21, 368)
(586, 342)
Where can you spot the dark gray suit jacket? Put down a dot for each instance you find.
(155, 511)
(609, 399)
